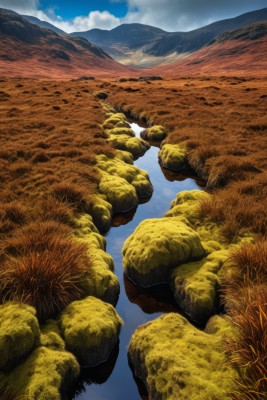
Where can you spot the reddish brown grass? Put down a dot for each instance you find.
(246, 301)
(44, 267)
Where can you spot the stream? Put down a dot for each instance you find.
(114, 379)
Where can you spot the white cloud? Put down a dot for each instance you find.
(180, 15)
(171, 15)
(95, 19)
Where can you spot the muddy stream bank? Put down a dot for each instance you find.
(114, 380)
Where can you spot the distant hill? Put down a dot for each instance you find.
(134, 43)
(241, 52)
(44, 24)
(32, 51)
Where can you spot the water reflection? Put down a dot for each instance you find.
(152, 300)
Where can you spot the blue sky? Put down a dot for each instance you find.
(69, 9)
(170, 15)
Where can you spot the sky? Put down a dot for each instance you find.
(170, 15)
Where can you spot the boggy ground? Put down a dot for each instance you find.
(219, 127)
(58, 192)
(51, 142)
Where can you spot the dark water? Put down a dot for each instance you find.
(114, 380)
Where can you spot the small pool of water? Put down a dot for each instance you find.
(114, 380)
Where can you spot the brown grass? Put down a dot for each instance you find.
(246, 301)
(44, 267)
(50, 135)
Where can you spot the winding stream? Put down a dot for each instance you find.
(114, 380)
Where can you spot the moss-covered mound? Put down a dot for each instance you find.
(90, 329)
(114, 120)
(173, 156)
(121, 194)
(156, 132)
(136, 177)
(50, 336)
(195, 286)
(177, 361)
(19, 333)
(157, 246)
(100, 281)
(121, 131)
(137, 147)
(45, 374)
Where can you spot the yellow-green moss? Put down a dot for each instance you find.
(100, 281)
(91, 329)
(121, 131)
(137, 147)
(118, 191)
(157, 246)
(177, 361)
(138, 178)
(115, 120)
(101, 211)
(156, 132)
(45, 374)
(50, 336)
(172, 156)
(195, 285)
(19, 333)
(125, 156)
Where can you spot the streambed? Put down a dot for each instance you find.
(114, 379)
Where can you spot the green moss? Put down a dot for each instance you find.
(118, 191)
(91, 329)
(45, 374)
(101, 211)
(100, 281)
(178, 361)
(19, 333)
(195, 286)
(172, 156)
(115, 120)
(157, 246)
(125, 156)
(50, 336)
(156, 132)
(121, 131)
(138, 178)
(137, 147)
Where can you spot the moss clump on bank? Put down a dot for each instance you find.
(137, 147)
(136, 177)
(173, 156)
(156, 132)
(118, 192)
(157, 246)
(195, 285)
(19, 333)
(45, 374)
(90, 329)
(178, 361)
(100, 281)
(120, 135)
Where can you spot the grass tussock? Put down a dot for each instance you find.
(246, 301)
(44, 267)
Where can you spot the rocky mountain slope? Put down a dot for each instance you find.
(143, 45)
(32, 51)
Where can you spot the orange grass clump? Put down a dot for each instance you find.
(246, 301)
(44, 267)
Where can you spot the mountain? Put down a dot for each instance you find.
(143, 45)
(28, 50)
(44, 24)
(241, 52)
